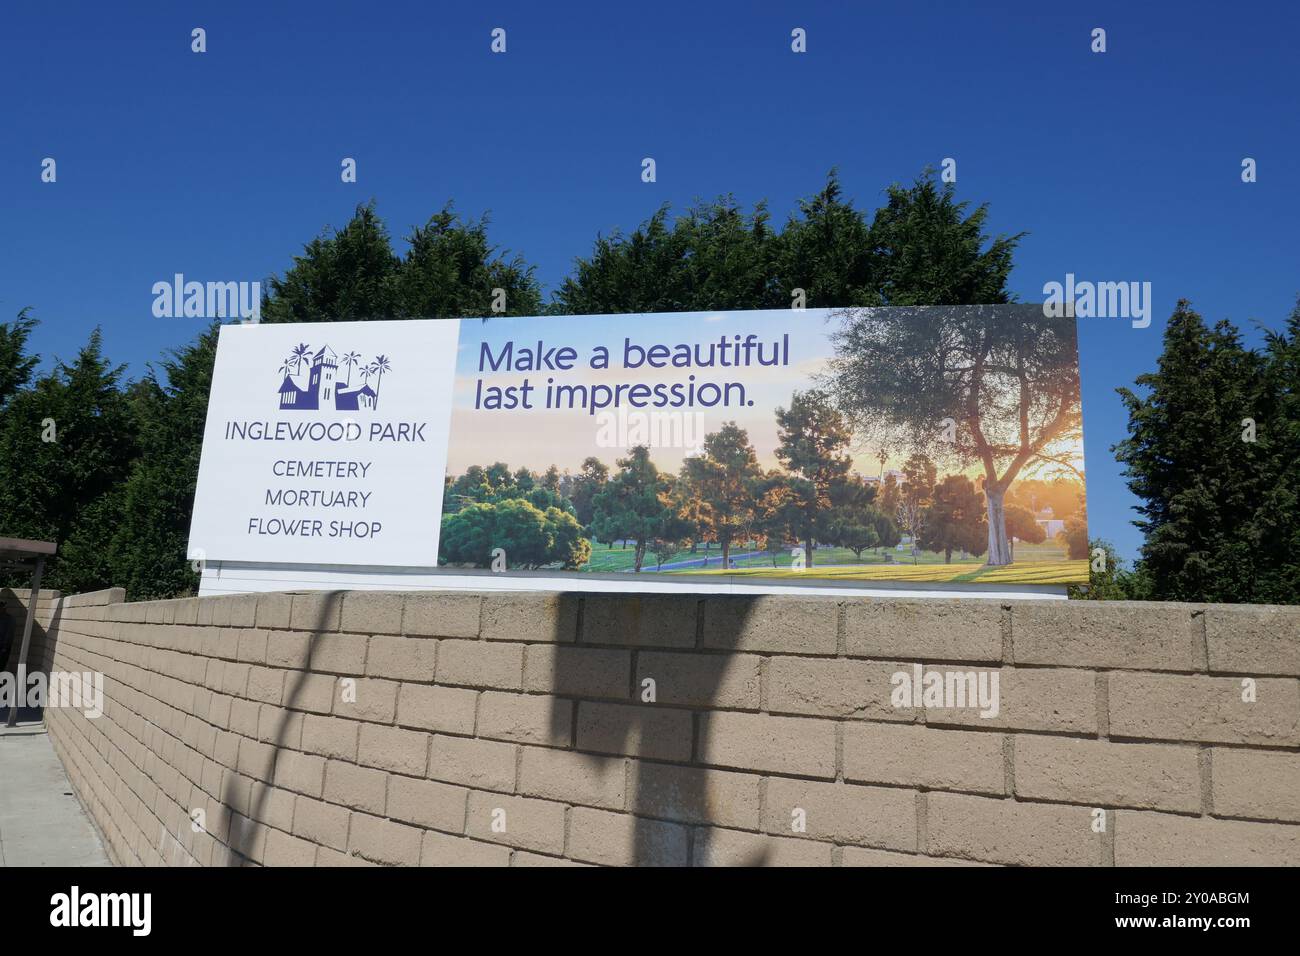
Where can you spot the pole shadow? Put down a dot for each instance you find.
(667, 638)
(244, 825)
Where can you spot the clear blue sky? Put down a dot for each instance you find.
(1121, 166)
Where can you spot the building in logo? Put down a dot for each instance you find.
(322, 388)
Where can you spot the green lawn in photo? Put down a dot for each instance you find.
(1044, 563)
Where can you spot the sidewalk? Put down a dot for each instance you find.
(41, 822)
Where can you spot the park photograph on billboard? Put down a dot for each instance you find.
(929, 444)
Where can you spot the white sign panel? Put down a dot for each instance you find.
(326, 444)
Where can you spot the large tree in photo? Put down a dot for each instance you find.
(955, 520)
(725, 480)
(637, 503)
(521, 534)
(919, 476)
(990, 386)
(854, 521)
(813, 443)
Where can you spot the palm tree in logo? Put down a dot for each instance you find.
(300, 353)
(380, 366)
(349, 360)
(285, 368)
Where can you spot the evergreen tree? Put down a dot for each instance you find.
(826, 250)
(1111, 581)
(713, 257)
(853, 521)
(955, 519)
(723, 481)
(346, 276)
(588, 483)
(813, 443)
(636, 503)
(1217, 512)
(926, 249)
(451, 271)
(148, 550)
(66, 444)
(16, 366)
(1277, 564)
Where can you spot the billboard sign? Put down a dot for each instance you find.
(922, 446)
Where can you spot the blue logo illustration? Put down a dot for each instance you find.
(322, 388)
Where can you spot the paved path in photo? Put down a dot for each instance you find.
(41, 821)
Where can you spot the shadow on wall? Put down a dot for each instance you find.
(40, 653)
(662, 720)
(655, 711)
(238, 791)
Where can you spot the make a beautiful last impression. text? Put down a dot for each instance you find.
(734, 352)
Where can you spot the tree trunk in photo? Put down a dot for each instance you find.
(947, 555)
(807, 555)
(726, 553)
(640, 554)
(999, 548)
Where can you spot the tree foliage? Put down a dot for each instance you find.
(636, 503)
(66, 445)
(528, 537)
(450, 270)
(993, 386)
(724, 481)
(148, 548)
(853, 520)
(1221, 514)
(813, 439)
(955, 520)
(1212, 452)
(922, 248)
(929, 250)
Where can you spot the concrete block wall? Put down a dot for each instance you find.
(510, 729)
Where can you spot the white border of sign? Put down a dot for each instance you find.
(228, 577)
